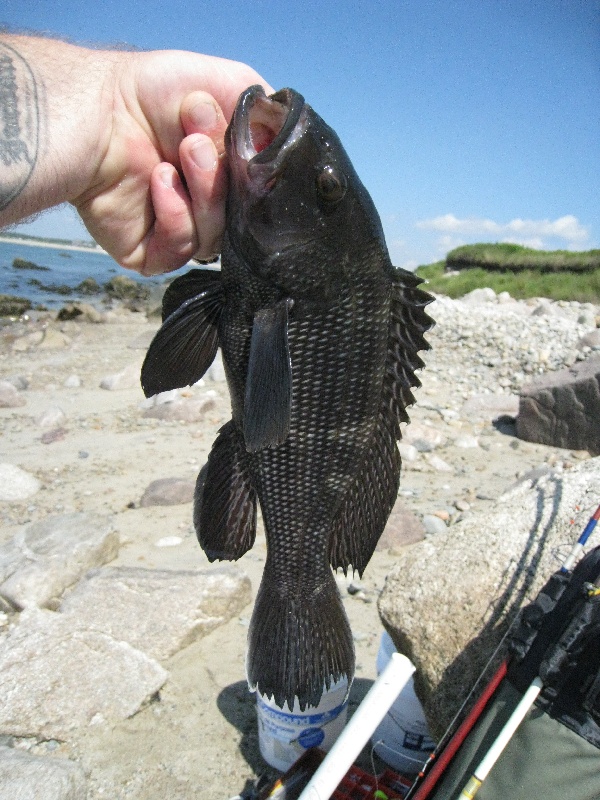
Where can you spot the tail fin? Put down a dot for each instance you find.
(298, 645)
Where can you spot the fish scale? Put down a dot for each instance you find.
(320, 337)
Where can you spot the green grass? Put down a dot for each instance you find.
(581, 286)
(513, 257)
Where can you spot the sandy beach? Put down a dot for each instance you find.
(199, 738)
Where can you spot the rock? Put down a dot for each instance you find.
(402, 528)
(434, 525)
(423, 437)
(462, 505)
(88, 286)
(53, 340)
(56, 678)
(466, 441)
(186, 409)
(450, 599)
(127, 378)
(20, 382)
(51, 418)
(27, 342)
(53, 435)
(168, 492)
(121, 287)
(479, 296)
(16, 484)
(13, 306)
(23, 263)
(81, 312)
(72, 382)
(27, 777)
(157, 611)
(46, 557)
(547, 308)
(408, 452)
(439, 464)
(562, 409)
(591, 339)
(9, 396)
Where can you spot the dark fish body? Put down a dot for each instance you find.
(320, 337)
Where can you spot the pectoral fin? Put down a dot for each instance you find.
(188, 286)
(186, 344)
(268, 398)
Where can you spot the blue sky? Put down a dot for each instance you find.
(467, 120)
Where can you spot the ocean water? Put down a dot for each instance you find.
(62, 267)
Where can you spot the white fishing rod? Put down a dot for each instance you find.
(355, 735)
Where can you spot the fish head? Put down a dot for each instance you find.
(296, 207)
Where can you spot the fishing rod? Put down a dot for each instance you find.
(443, 755)
(531, 694)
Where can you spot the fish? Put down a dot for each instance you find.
(320, 337)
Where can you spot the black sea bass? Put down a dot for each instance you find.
(320, 337)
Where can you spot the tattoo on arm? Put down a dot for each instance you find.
(19, 124)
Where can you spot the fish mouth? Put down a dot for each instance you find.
(264, 128)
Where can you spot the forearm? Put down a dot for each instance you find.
(55, 111)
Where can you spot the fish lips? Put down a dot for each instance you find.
(261, 132)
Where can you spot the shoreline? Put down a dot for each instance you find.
(54, 245)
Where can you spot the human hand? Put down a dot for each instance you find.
(133, 140)
(170, 112)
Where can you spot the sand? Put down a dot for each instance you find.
(199, 740)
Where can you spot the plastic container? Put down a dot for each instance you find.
(284, 735)
(402, 738)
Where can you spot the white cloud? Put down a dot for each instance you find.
(567, 228)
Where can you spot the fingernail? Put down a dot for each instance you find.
(204, 155)
(204, 116)
(169, 177)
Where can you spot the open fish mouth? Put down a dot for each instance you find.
(264, 128)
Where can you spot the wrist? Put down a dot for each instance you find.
(56, 105)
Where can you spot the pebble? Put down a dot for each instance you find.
(51, 418)
(72, 382)
(16, 484)
(462, 505)
(433, 525)
(480, 346)
(10, 397)
(169, 541)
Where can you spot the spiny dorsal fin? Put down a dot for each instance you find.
(371, 497)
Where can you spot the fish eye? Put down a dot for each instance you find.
(331, 186)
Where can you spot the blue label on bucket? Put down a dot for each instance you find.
(297, 720)
(311, 737)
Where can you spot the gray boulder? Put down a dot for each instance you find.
(56, 677)
(157, 611)
(562, 408)
(27, 777)
(44, 558)
(450, 599)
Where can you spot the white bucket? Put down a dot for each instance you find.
(402, 738)
(284, 735)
